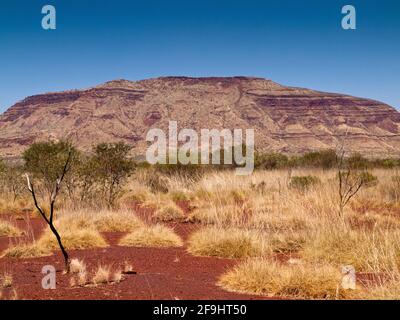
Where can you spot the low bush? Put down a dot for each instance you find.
(303, 183)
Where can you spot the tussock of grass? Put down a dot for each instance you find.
(79, 275)
(165, 209)
(241, 243)
(288, 242)
(78, 230)
(267, 277)
(152, 236)
(121, 221)
(102, 220)
(6, 280)
(388, 290)
(8, 206)
(156, 201)
(22, 251)
(222, 195)
(278, 223)
(77, 266)
(226, 243)
(8, 230)
(102, 275)
(116, 276)
(136, 193)
(376, 250)
(179, 195)
(369, 221)
(228, 215)
(79, 239)
(169, 212)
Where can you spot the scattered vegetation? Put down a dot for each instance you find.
(303, 183)
(102, 275)
(152, 236)
(8, 230)
(6, 280)
(225, 243)
(122, 220)
(319, 209)
(22, 251)
(73, 239)
(299, 281)
(169, 212)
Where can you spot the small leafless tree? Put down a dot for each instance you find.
(15, 181)
(50, 218)
(350, 181)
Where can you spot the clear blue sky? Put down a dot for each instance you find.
(299, 43)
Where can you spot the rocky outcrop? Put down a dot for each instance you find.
(285, 119)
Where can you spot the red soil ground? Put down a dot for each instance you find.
(169, 273)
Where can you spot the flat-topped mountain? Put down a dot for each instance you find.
(285, 119)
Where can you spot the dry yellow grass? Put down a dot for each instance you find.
(102, 275)
(83, 238)
(375, 251)
(224, 215)
(116, 276)
(77, 266)
(123, 220)
(9, 206)
(267, 277)
(169, 211)
(180, 195)
(275, 222)
(23, 251)
(79, 278)
(386, 290)
(165, 209)
(258, 216)
(6, 280)
(136, 192)
(236, 242)
(226, 243)
(152, 236)
(8, 230)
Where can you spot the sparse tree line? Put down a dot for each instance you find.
(48, 166)
(89, 178)
(327, 159)
(98, 178)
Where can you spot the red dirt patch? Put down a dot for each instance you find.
(169, 273)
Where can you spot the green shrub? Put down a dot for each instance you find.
(156, 181)
(12, 180)
(2, 166)
(358, 162)
(325, 159)
(270, 161)
(112, 166)
(368, 179)
(303, 183)
(45, 161)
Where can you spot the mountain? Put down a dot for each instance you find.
(285, 119)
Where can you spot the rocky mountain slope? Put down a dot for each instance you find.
(285, 119)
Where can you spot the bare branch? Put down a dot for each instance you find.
(53, 198)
